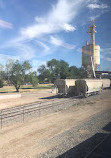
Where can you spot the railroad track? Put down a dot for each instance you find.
(21, 113)
(102, 149)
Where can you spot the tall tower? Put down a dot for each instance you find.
(92, 33)
(91, 53)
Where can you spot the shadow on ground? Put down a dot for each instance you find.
(98, 146)
(8, 92)
(3, 92)
(28, 88)
(36, 88)
(59, 96)
(51, 97)
(107, 127)
(67, 96)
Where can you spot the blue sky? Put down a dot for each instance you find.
(40, 30)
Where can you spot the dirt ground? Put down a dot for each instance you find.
(27, 97)
(29, 139)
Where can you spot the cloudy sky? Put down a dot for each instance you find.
(40, 30)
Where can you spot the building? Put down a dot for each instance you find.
(91, 54)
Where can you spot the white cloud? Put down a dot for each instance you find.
(106, 51)
(97, 6)
(46, 48)
(39, 19)
(108, 58)
(56, 20)
(79, 50)
(5, 24)
(105, 58)
(59, 18)
(93, 17)
(95, 1)
(36, 63)
(97, 9)
(59, 42)
(68, 27)
(23, 51)
(56, 41)
(4, 58)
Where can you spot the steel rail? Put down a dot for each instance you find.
(27, 105)
(98, 145)
(31, 109)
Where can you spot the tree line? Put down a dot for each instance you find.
(19, 73)
(59, 69)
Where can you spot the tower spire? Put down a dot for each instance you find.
(92, 32)
(91, 53)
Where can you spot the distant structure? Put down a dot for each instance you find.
(91, 53)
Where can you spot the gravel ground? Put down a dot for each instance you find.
(61, 104)
(72, 132)
(54, 106)
(81, 139)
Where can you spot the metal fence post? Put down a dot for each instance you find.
(1, 118)
(23, 114)
(39, 110)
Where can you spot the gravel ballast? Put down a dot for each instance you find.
(81, 139)
(69, 133)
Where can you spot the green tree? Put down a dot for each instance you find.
(74, 72)
(16, 75)
(77, 72)
(64, 69)
(1, 83)
(56, 69)
(8, 68)
(32, 78)
(83, 72)
(18, 72)
(2, 74)
(54, 66)
(44, 74)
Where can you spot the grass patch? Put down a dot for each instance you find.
(74, 104)
(25, 88)
(90, 102)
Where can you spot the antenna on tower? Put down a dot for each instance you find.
(91, 27)
(92, 22)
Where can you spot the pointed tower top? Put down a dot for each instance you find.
(92, 32)
(92, 22)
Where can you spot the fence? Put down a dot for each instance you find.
(22, 113)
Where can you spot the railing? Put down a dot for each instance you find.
(21, 113)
